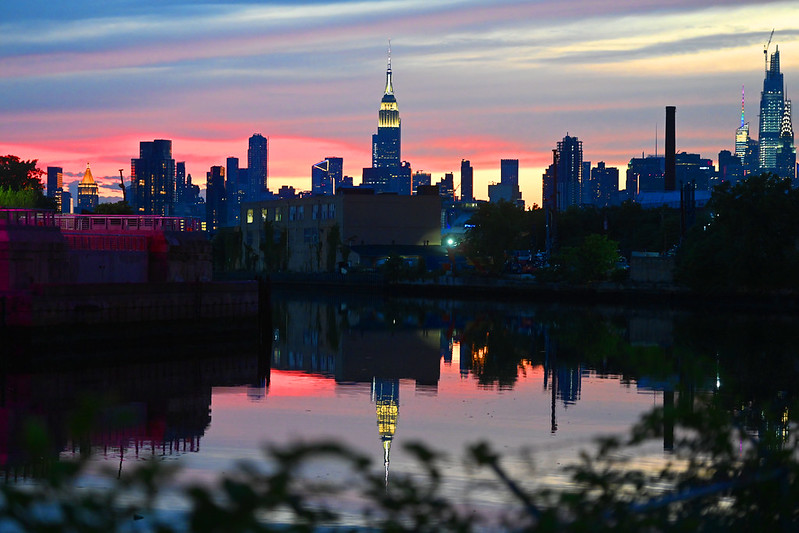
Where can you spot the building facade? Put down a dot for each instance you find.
(772, 110)
(316, 233)
(257, 167)
(55, 184)
(152, 185)
(215, 199)
(327, 176)
(570, 172)
(467, 181)
(386, 144)
(88, 196)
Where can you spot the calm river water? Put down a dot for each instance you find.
(537, 382)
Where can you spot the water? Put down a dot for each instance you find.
(538, 383)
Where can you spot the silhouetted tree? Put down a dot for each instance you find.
(21, 184)
(115, 208)
(749, 241)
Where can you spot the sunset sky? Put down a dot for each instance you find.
(86, 80)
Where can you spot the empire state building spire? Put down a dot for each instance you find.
(389, 83)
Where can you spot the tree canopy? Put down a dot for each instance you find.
(21, 184)
(748, 242)
(19, 175)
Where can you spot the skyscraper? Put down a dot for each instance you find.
(467, 181)
(257, 164)
(509, 171)
(55, 184)
(215, 212)
(508, 187)
(327, 175)
(386, 153)
(772, 110)
(786, 151)
(87, 192)
(742, 134)
(570, 172)
(152, 184)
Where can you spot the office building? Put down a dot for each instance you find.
(421, 178)
(508, 187)
(645, 174)
(88, 196)
(731, 169)
(55, 184)
(152, 186)
(386, 144)
(467, 181)
(327, 175)
(786, 152)
(257, 167)
(772, 112)
(215, 199)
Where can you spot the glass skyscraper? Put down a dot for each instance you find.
(772, 110)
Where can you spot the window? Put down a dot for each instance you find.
(315, 213)
(278, 214)
(249, 216)
(324, 212)
(292, 212)
(263, 214)
(332, 211)
(301, 212)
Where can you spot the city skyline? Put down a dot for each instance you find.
(476, 83)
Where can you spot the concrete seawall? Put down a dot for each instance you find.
(129, 302)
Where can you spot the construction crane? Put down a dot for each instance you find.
(122, 185)
(765, 48)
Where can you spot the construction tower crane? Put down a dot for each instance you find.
(765, 48)
(122, 185)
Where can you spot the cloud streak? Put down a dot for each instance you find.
(473, 81)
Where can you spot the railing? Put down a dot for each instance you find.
(117, 223)
(112, 242)
(27, 217)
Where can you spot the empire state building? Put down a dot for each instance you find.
(385, 174)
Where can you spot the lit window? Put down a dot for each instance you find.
(263, 213)
(249, 216)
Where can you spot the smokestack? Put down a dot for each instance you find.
(670, 177)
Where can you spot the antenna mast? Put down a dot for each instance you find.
(742, 106)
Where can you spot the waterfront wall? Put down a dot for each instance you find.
(129, 302)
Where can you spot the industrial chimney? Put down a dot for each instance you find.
(669, 179)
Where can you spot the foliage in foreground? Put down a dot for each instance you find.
(721, 477)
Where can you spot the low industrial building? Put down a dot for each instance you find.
(320, 233)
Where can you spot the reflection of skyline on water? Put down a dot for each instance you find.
(462, 355)
(149, 405)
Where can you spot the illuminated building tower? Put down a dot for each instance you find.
(152, 183)
(467, 181)
(570, 172)
(55, 184)
(385, 393)
(327, 175)
(257, 164)
(386, 153)
(87, 192)
(786, 152)
(742, 134)
(215, 212)
(772, 109)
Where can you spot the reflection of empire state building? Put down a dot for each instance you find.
(385, 393)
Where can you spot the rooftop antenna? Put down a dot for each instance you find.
(765, 48)
(656, 139)
(742, 106)
(389, 54)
